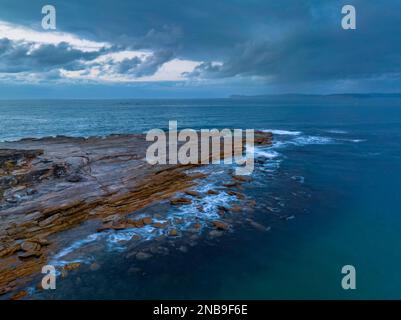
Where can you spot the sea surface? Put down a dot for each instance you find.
(328, 188)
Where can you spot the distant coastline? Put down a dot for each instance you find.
(317, 96)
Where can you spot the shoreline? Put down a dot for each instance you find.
(50, 185)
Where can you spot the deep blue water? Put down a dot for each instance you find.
(336, 168)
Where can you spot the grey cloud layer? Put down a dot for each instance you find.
(284, 42)
(17, 56)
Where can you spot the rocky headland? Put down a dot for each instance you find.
(54, 184)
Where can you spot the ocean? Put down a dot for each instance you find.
(328, 187)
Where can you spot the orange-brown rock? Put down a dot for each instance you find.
(237, 194)
(180, 201)
(53, 184)
(220, 225)
(193, 193)
(263, 138)
(212, 192)
(242, 178)
(160, 225)
(19, 295)
(72, 266)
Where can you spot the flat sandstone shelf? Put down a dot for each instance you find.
(50, 185)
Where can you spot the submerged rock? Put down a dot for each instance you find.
(220, 225)
(258, 226)
(19, 295)
(60, 183)
(215, 233)
(242, 178)
(143, 256)
(94, 266)
(72, 266)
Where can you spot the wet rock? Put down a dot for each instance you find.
(197, 226)
(231, 184)
(94, 266)
(12, 200)
(112, 218)
(263, 138)
(220, 225)
(105, 227)
(215, 233)
(19, 295)
(30, 246)
(40, 241)
(160, 225)
(51, 199)
(31, 191)
(242, 178)
(251, 203)
(59, 170)
(72, 266)
(119, 226)
(29, 254)
(236, 209)
(180, 201)
(74, 178)
(5, 290)
(139, 223)
(193, 193)
(223, 208)
(147, 220)
(143, 256)
(212, 192)
(261, 160)
(178, 220)
(49, 220)
(236, 194)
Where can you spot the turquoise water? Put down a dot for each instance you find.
(335, 167)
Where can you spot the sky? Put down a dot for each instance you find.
(197, 49)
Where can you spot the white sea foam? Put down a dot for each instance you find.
(283, 132)
(353, 140)
(115, 240)
(267, 152)
(56, 260)
(305, 140)
(337, 131)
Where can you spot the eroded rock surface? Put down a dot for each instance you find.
(53, 184)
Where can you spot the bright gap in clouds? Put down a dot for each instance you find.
(20, 33)
(102, 68)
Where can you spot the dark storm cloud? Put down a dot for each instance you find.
(320, 49)
(146, 67)
(287, 42)
(18, 57)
